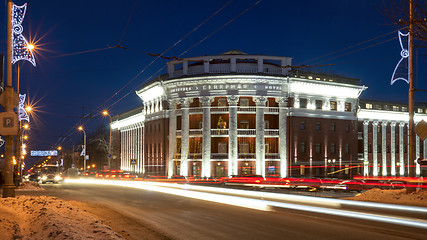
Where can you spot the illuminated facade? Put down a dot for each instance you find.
(235, 114)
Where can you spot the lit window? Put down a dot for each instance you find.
(244, 147)
(244, 124)
(333, 105)
(222, 102)
(348, 107)
(222, 147)
(395, 108)
(404, 109)
(368, 106)
(244, 102)
(420, 110)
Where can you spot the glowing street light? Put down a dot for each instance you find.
(28, 108)
(25, 137)
(30, 46)
(80, 128)
(105, 113)
(59, 148)
(26, 126)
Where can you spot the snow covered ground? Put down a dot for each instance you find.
(43, 217)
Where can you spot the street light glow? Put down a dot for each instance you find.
(59, 148)
(80, 128)
(26, 126)
(28, 108)
(30, 46)
(105, 113)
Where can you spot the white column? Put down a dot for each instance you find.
(206, 154)
(260, 139)
(171, 69)
(417, 155)
(401, 151)
(172, 136)
(393, 148)
(121, 148)
(282, 136)
(425, 149)
(384, 148)
(185, 135)
(232, 135)
(142, 148)
(375, 147)
(365, 148)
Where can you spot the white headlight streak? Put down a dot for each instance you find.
(194, 192)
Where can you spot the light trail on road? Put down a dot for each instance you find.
(264, 205)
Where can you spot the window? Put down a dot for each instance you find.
(266, 124)
(395, 108)
(388, 148)
(244, 102)
(404, 109)
(332, 147)
(379, 148)
(302, 125)
(267, 148)
(369, 148)
(333, 105)
(346, 148)
(302, 147)
(378, 107)
(333, 127)
(200, 124)
(244, 124)
(317, 148)
(405, 148)
(347, 127)
(318, 126)
(222, 147)
(222, 102)
(319, 104)
(420, 110)
(244, 147)
(347, 107)
(303, 103)
(368, 105)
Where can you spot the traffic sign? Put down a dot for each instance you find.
(133, 161)
(421, 129)
(110, 155)
(8, 123)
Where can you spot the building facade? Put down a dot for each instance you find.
(240, 114)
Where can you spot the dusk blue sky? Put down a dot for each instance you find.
(307, 29)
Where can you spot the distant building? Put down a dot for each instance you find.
(235, 114)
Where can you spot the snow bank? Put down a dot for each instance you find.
(418, 198)
(29, 217)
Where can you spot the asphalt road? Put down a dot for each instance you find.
(174, 217)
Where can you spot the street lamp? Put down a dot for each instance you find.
(84, 147)
(105, 113)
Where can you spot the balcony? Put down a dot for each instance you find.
(219, 155)
(219, 109)
(219, 132)
(246, 109)
(246, 132)
(196, 132)
(271, 132)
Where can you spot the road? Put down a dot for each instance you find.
(145, 214)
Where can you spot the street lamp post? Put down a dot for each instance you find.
(105, 113)
(84, 147)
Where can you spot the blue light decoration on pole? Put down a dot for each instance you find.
(405, 55)
(22, 113)
(21, 50)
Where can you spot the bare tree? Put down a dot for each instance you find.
(399, 14)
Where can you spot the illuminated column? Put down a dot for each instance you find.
(260, 139)
(401, 152)
(121, 148)
(143, 148)
(375, 147)
(417, 155)
(172, 136)
(384, 148)
(365, 148)
(282, 137)
(206, 155)
(232, 135)
(185, 135)
(393, 148)
(425, 148)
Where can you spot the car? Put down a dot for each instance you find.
(35, 177)
(351, 185)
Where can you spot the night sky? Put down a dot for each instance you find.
(67, 83)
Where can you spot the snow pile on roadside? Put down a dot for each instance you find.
(29, 217)
(29, 186)
(418, 198)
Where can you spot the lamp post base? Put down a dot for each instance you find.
(8, 191)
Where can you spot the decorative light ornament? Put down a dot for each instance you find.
(405, 54)
(21, 50)
(2, 141)
(23, 115)
(83, 153)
